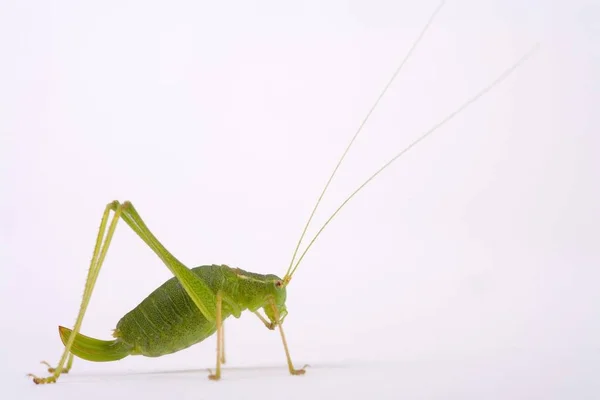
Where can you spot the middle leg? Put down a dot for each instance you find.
(217, 375)
(222, 342)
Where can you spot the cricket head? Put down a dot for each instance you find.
(275, 309)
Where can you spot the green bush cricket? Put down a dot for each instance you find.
(194, 303)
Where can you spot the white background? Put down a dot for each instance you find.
(468, 270)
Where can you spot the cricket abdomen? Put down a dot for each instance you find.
(168, 320)
(165, 322)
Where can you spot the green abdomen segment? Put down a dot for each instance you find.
(93, 349)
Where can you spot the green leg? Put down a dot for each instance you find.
(269, 325)
(65, 370)
(217, 375)
(222, 342)
(199, 292)
(95, 264)
(291, 368)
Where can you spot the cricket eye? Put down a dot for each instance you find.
(278, 284)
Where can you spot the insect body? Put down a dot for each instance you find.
(193, 304)
(168, 321)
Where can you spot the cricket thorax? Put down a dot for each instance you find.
(257, 290)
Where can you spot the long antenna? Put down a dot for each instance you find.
(467, 103)
(288, 275)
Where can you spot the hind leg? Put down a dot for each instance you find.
(98, 256)
(65, 370)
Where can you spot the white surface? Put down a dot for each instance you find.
(468, 270)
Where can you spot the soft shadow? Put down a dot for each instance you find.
(279, 369)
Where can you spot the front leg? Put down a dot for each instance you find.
(270, 325)
(293, 371)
